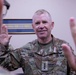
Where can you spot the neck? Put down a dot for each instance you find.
(45, 40)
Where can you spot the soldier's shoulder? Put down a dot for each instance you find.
(34, 42)
(30, 45)
(60, 40)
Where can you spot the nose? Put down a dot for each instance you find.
(41, 26)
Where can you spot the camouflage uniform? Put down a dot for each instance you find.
(36, 58)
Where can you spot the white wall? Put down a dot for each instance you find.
(61, 11)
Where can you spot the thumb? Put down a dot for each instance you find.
(67, 50)
(69, 55)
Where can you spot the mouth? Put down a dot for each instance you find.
(42, 31)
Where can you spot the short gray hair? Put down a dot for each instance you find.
(42, 11)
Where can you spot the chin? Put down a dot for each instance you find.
(42, 37)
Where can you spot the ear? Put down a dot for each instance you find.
(52, 25)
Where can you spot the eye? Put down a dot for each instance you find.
(37, 23)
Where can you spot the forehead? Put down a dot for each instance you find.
(44, 16)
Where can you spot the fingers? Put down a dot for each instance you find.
(72, 24)
(73, 28)
(4, 29)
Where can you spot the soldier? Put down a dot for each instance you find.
(45, 55)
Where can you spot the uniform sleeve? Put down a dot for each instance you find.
(9, 58)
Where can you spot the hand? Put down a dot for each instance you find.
(67, 50)
(70, 56)
(4, 37)
(73, 29)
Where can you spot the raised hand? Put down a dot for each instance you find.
(73, 29)
(67, 50)
(4, 37)
(70, 56)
